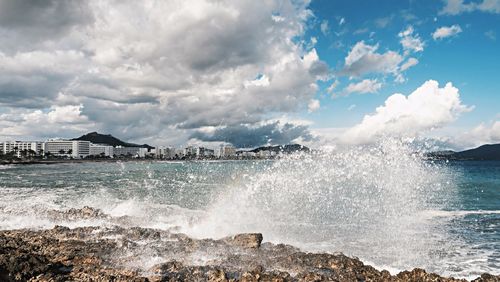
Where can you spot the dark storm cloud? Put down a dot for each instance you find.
(36, 91)
(243, 136)
(43, 17)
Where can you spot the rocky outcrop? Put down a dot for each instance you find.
(142, 254)
(118, 254)
(77, 214)
(248, 240)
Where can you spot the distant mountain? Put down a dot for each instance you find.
(287, 149)
(485, 152)
(108, 139)
(489, 152)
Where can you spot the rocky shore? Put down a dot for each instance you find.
(116, 253)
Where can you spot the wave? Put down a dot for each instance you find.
(383, 203)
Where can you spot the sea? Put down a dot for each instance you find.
(385, 205)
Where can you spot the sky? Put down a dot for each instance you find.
(252, 73)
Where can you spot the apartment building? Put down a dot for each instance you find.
(101, 150)
(21, 147)
(71, 148)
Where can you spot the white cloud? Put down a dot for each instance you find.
(332, 86)
(428, 107)
(363, 59)
(325, 29)
(361, 31)
(411, 41)
(363, 87)
(57, 121)
(383, 22)
(408, 64)
(123, 59)
(479, 135)
(491, 35)
(446, 31)
(351, 107)
(313, 105)
(455, 7)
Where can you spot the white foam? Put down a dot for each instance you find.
(456, 213)
(382, 204)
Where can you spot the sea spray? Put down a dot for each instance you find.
(364, 201)
(383, 203)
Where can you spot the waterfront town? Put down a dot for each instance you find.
(82, 149)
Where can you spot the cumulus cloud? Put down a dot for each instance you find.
(410, 40)
(58, 121)
(363, 87)
(455, 7)
(484, 133)
(363, 59)
(446, 31)
(246, 136)
(408, 64)
(134, 68)
(313, 105)
(426, 108)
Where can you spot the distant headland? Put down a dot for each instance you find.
(488, 152)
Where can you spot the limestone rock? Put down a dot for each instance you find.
(125, 254)
(246, 240)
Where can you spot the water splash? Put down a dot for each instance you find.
(382, 203)
(365, 201)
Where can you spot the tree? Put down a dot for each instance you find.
(70, 151)
(61, 152)
(31, 153)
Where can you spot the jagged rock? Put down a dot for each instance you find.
(116, 254)
(485, 277)
(77, 214)
(246, 240)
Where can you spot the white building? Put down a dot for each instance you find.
(247, 154)
(71, 148)
(204, 152)
(101, 150)
(264, 154)
(227, 151)
(208, 153)
(21, 148)
(165, 152)
(190, 151)
(137, 152)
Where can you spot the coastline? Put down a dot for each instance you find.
(76, 161)
(115, 253)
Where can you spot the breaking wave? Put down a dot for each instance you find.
(384, 204)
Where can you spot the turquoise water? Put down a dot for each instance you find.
(391, 210)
